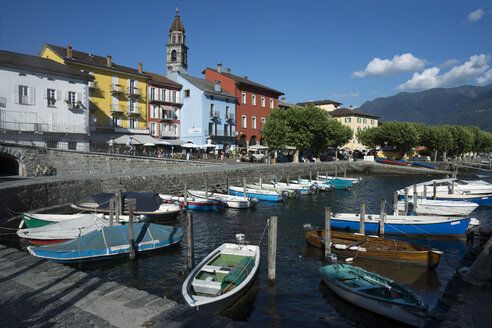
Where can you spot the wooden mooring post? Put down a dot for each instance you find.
(362, 227)
(191, 244)
(395, 203)
(185, 201)
(425, 191)
(336, 172)
(382, 219)
(310, 177)
(434, 190)
(261, 184)
(327, 231)
(344, 171)
(206, 189)
(406, 201)
(244, 187)
(117, 208)
(415, 198)
(111, 212)
(227, 185)
(272, 247)
(288, 179)
(131, 237)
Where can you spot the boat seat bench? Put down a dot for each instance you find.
(205, 286)
(216, 269)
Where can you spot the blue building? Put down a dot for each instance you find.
(207, 115)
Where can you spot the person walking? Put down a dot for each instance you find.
(111, 146)
(129, 146)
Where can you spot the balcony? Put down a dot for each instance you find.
(118, 109)
(223, 134)
(134, 92)
(169, 134)
(169, 116)
(214, 115)
(230, 116)
(93, 85)
(133, 111)
(117, 89)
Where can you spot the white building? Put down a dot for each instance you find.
(43, 103)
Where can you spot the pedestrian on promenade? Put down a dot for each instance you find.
(111, 146)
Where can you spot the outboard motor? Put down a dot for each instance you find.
(331, 258)
(313, 188)
(297, 192)
(285, 194)
(240, 239)
(254, 200)
(307, 227)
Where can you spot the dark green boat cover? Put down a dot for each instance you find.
(239, 272)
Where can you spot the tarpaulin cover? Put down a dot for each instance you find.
(240, 271)
(110, 241)
(144, 202)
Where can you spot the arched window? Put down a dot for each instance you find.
(179, 39)
(174, 39)
(173, 55)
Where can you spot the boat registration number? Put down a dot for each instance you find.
(456, 222)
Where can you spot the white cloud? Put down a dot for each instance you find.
(430, 77)
(385, 67)
(475, 15)
(486, 78)
(449, 63)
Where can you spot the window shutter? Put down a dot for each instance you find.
(136, 105)
(58, 94)
(66, 95)
(177, 97)
(32, 96)
(45, 93)
(16, 94)
(79, 96)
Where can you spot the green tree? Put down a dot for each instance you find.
(437, 138)
(462, 140)
(304, 127)
(370, 138)
(401, 135)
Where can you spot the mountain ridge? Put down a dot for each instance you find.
(463, 105)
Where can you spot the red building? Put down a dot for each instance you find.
(254, 103)
(164, 106)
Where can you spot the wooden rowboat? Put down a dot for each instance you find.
(220, 279)
(375, 293)
(374, 247)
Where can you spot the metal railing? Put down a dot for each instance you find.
(230, 116)
(219, 133)
(117, 88)
(132, 91)
(169, 134)
(41, 127)
(214, 114)
(118, 108)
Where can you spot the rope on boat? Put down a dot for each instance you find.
(264, 230)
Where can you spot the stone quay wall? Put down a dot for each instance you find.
(69, 163)
(29, 194)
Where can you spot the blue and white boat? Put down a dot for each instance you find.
(110, 241)
(480, 199)
(261, 194)
(403, 224)
(337, 183)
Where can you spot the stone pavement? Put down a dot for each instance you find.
(40, 293)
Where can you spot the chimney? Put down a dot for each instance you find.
(219, 67)
(228, 70)
(140, 68)
(69, 52)
(108, 61)
(245, 77)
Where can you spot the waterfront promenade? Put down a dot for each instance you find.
(40, 293)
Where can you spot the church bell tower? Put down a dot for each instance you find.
(176, 50)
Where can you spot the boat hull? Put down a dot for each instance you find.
(218, 303)
(413, 225)
(109, 242)
(376, 248)
(252, 193)
(388, 308)
(430, 207)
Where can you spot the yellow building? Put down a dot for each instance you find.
(327, 105)
(118, 95)
(357, 121)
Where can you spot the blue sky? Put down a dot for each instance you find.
(348, 51)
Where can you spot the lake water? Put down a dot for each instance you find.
(298, 298)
